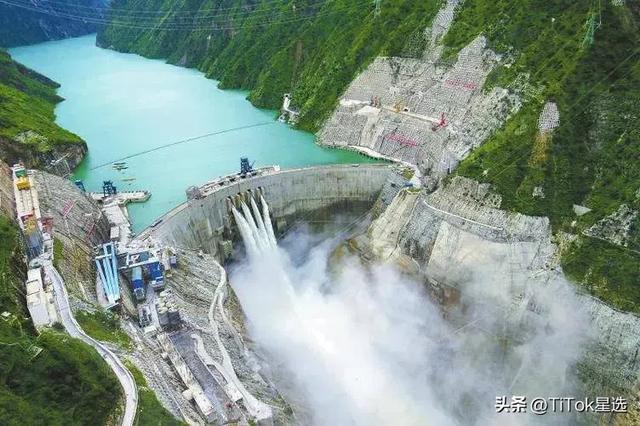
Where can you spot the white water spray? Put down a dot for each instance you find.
(356, 372)
(267, 222)
(366, 346)
(256, 230)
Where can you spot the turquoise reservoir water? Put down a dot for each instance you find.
(123, 104)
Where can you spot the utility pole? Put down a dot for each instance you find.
(591, 25)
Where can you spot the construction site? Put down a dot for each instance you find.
(190, 331)
(187, 324)
(493, 276)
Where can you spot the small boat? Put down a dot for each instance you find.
(128, 179)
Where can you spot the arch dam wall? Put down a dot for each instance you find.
(207, 224)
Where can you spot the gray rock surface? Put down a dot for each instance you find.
(460, 241)
(421, 111)
(616, 227)
(78, 225)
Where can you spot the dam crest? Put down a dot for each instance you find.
(205, 221)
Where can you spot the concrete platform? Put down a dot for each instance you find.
(122, 198)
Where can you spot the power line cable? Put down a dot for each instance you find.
(155, 25)
(202, 16)
(140, 24)
(199, 11)
(154, 16)
(183, 141)
(227, 15)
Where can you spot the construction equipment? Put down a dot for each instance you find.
(19, 170)
(22, 183)
(157, 277)
(399, 106)
(108, 188)
(137, 281)
(442, 123)
(245, 166)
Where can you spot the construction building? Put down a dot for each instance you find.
(39, 300)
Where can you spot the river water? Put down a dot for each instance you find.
(123, 104)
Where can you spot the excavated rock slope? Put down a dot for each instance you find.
(432, 114)
(456, 237)
(423, 111)
(78, 225)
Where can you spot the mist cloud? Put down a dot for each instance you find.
(366, 345)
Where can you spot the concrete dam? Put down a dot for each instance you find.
(204, 222)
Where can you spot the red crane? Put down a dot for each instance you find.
(441, 124)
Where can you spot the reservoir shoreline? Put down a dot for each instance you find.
(123, 104)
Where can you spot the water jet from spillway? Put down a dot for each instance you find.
(354, 345)
(289, 321)
(257, 233)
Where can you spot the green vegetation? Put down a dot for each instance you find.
(150, 411)
(58, 252)
(592, 158)
(27, 102)
(12, 269)
(408, 173)
(308, 48)
(104, 326)
(551, 55)
(19, 26)
(51, 378)
(607, 271)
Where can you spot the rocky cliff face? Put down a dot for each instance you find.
(34, 22)
(423, 111)
(59, 160)
(481, 102)
(7, 202)
(78, 226)
(484, 265)
(480, 262)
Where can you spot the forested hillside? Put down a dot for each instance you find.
(51, 378)
(27, 121)
(312, 49)
(23, 22)
(584, 56)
